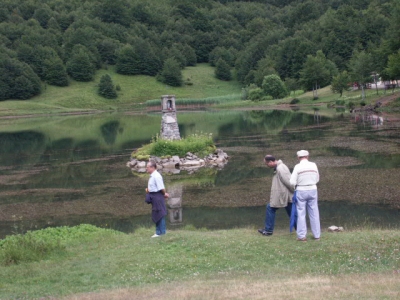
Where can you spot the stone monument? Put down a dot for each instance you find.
(169, 121)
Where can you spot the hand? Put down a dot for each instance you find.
(166, 195)
(147, 190)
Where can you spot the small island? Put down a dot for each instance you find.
(173, 153)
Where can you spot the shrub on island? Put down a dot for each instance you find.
(199, 144)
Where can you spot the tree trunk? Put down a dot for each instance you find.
(362, 92)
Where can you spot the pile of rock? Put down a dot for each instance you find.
(175, 164)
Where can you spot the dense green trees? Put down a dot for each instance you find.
(17, 80)
(255, 38)
(317, 72)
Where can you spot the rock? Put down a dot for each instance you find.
(202, 162)
(175, 159)
(220, 160)
(191, 163)
(169, 165)
(334, 228)
(157, 160)
(141, 164)
(141, 170)
(133, 163)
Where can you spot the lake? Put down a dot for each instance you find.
(69, 170)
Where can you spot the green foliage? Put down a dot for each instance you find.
(223, 70)
(257, 38)
(17, 80)
(80, 67)
(393, 66)
(294, 101)
(340, 83)
(256, 94)
(38, 245)
(106, 87)
(55, 72)
(199, 144)
(274, 87)
(171, 73)
(317, 71)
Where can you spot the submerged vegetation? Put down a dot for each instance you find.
(198, 144)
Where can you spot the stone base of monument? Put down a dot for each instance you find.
(175, 164)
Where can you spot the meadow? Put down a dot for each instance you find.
(190, 263)
(81, 97)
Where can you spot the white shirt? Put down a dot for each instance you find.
(156, 182)
(305, 176)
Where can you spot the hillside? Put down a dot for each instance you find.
(70, 44)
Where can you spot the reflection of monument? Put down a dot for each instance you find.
(169, 122)
(174, 203)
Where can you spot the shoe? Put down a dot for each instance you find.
(302, 239)
(155, 235)
(316, 239)
(264, 232)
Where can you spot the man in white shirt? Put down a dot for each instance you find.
(305, 177)
(156, 194)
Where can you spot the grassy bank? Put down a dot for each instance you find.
(191, 263)
(325, 97)
(82, 96)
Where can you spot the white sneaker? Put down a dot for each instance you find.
(155, 235)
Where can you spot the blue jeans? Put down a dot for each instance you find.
(270, 216)
(161, 227)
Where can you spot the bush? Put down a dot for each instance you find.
(255, 95)
(274, 86)
(37, 245)
(294, 101)
(267, 97)
(340, 102)
(351, 105)
(362, 103)
(199, 144)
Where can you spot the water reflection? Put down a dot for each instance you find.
(71, 170)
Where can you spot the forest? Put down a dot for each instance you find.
(307, 44)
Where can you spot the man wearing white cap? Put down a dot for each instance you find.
(305, 177)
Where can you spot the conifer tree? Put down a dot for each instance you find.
(171, 73)
(223, 70)
(106, 87)
(55, 72)
(79, 67)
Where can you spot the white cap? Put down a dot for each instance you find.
(302, 153)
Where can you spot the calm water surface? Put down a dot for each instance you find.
(71, 170)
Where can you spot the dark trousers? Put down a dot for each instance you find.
(161, 227)
(270, 216)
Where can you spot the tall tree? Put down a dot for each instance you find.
(361, 67)
(55, 72)
(317, 72)
(80, 67)
(223, 70)
(340, 83)
(171, 73)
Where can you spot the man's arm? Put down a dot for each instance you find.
(166, 195)
(293, 177)
(284, 176)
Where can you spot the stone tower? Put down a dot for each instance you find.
(169, 121)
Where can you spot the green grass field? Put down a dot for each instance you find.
(107, 262)
(81, 96)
